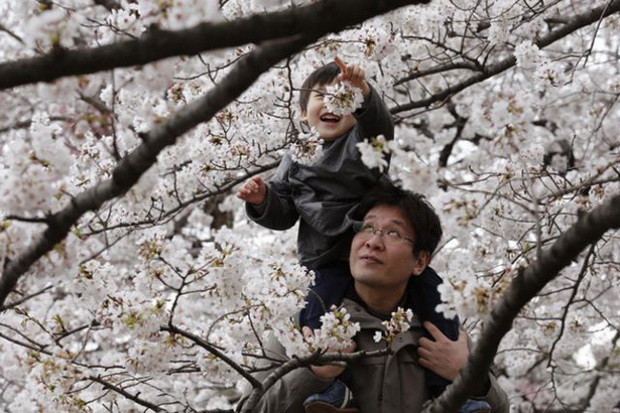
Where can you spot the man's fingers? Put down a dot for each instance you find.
(424, 353)
(425, 342)
(435, 332)
(425, 363)
(306, 331)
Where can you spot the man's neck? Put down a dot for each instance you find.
(380, 301)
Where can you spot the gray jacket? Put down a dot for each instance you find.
(394, 383)
(320, 195)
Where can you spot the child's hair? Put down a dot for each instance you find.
(321, 76)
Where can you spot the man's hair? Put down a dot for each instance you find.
(421, 215)
(321, 76)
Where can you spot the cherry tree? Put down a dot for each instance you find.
(130, 277)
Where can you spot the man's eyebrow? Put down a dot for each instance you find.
(394, 221)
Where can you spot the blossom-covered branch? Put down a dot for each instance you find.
(213, 350)
(317, 19)
(488, 71)
(125, 393)
(137, 162)
(587, 230)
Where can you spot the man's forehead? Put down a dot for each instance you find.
(389, 213)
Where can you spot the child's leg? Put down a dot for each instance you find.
(330, 285)
(424, 297)
(475, 406)
(336, 398)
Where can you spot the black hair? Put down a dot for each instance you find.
(421, 215)
(321, 76)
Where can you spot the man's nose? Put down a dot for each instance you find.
(375, 240)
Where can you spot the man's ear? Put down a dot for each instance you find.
(304, 116)
(421, 261)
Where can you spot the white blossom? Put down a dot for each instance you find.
(373, 152)
(342, 98)
(307, 148)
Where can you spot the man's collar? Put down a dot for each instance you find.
(352, 295)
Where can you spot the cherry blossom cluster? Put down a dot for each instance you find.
(342, 98)
(400, 322)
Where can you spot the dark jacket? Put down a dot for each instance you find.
(320, 195)
(393, 383)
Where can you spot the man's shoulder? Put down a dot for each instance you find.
(430, 277)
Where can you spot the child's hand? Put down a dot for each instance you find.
(328, 371)
(354, 75)
(253, 191)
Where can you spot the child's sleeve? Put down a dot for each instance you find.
(374, 118)
(278, 212)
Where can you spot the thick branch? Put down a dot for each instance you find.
(109, 4)
(137, 162)
(576, 23)
(586, 231)
(318, 18)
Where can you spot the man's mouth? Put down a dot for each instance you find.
(371, 259)
(329, 118)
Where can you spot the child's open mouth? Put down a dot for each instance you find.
(330, 118)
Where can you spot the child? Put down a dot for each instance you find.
(322, 194)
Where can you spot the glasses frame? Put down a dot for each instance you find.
(358, 227)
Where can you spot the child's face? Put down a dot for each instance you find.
(328, 125)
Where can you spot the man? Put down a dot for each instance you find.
(393, 244)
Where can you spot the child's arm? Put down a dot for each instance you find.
(270, 204)
(373, 118)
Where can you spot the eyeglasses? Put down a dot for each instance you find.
(388, 235)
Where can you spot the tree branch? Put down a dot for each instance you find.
(586, 231)
(317, 358)
(213, 350)
(126, 394)
(576, 23)
(137, 162)
(109, 4)
(24, 299)
(317, 19)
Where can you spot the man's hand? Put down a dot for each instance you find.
(443, 356)
(354, 75)
(253, 191)
(327, 371)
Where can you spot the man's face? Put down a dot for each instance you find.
(379, 264)
(328, 125)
